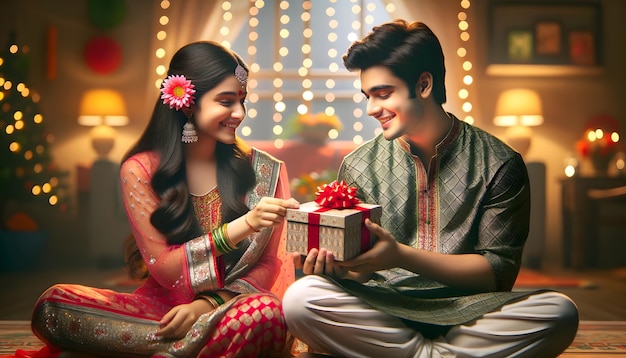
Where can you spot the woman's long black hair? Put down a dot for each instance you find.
(206, 64)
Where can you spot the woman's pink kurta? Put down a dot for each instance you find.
(95, 320)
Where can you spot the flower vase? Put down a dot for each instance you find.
(315, 135)
(600, 164)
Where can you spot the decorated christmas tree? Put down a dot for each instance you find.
(28, 175)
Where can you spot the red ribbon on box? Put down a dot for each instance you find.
(314, 228)
(336, 195)
(366, 241)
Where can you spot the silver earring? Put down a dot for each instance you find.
(189, 133)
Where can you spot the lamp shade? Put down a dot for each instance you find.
(102, 107)
(518, 107)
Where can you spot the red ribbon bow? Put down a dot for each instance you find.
(336, 195)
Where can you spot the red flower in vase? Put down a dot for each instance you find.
(599, 142)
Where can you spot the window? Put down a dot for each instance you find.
(294, 49)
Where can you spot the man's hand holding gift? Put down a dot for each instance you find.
(332, 199)
(384, 254)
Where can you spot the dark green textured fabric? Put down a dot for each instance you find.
(481, 195)
(436, 306)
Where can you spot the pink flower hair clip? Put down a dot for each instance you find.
(177, 92)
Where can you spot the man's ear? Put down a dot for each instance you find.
(424, 84)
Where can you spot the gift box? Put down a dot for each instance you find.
(340, 230)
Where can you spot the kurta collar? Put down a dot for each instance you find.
(446, 142)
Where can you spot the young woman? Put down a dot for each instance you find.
(207, 220)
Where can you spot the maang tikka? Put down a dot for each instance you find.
(241, 74)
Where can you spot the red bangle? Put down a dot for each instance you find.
(245, 218)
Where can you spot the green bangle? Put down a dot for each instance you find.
(216, 241)
(215, 296)
(220, 240)
(229, 242)
(212, 301)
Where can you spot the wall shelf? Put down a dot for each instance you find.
(542, 70)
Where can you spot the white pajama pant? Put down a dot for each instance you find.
(330, 320)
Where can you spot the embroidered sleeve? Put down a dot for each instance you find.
(204, 270)
(273, 271)
(186, 268)
(265, 265)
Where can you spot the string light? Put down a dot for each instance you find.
(466, 65)
(281, 34)
(333, 66)
(353, 36)
(307, 62)
(227, 16)
(364, 12)
(160, 53)
(253, 35)
(22, 114)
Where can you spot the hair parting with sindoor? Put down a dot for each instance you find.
(206, 64)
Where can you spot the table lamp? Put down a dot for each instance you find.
(518, 109)
(102, 109)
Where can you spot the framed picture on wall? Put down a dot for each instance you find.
(520, 46)
(582, 49)
(548, 37)
(545, 37)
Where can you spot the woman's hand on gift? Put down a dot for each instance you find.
(270, 212)
(384, 254)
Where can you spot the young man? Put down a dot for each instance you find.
(456, 206)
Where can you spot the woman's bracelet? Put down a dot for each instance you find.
(229, 242)
(216, 297)
(245, 218)
(210, 300)
(216, 235)
(221, 239)
(211, 297)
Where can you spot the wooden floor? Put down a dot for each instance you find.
(604, 301)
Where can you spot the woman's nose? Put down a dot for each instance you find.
(239, 111)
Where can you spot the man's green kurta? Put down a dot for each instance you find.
(473, 197)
